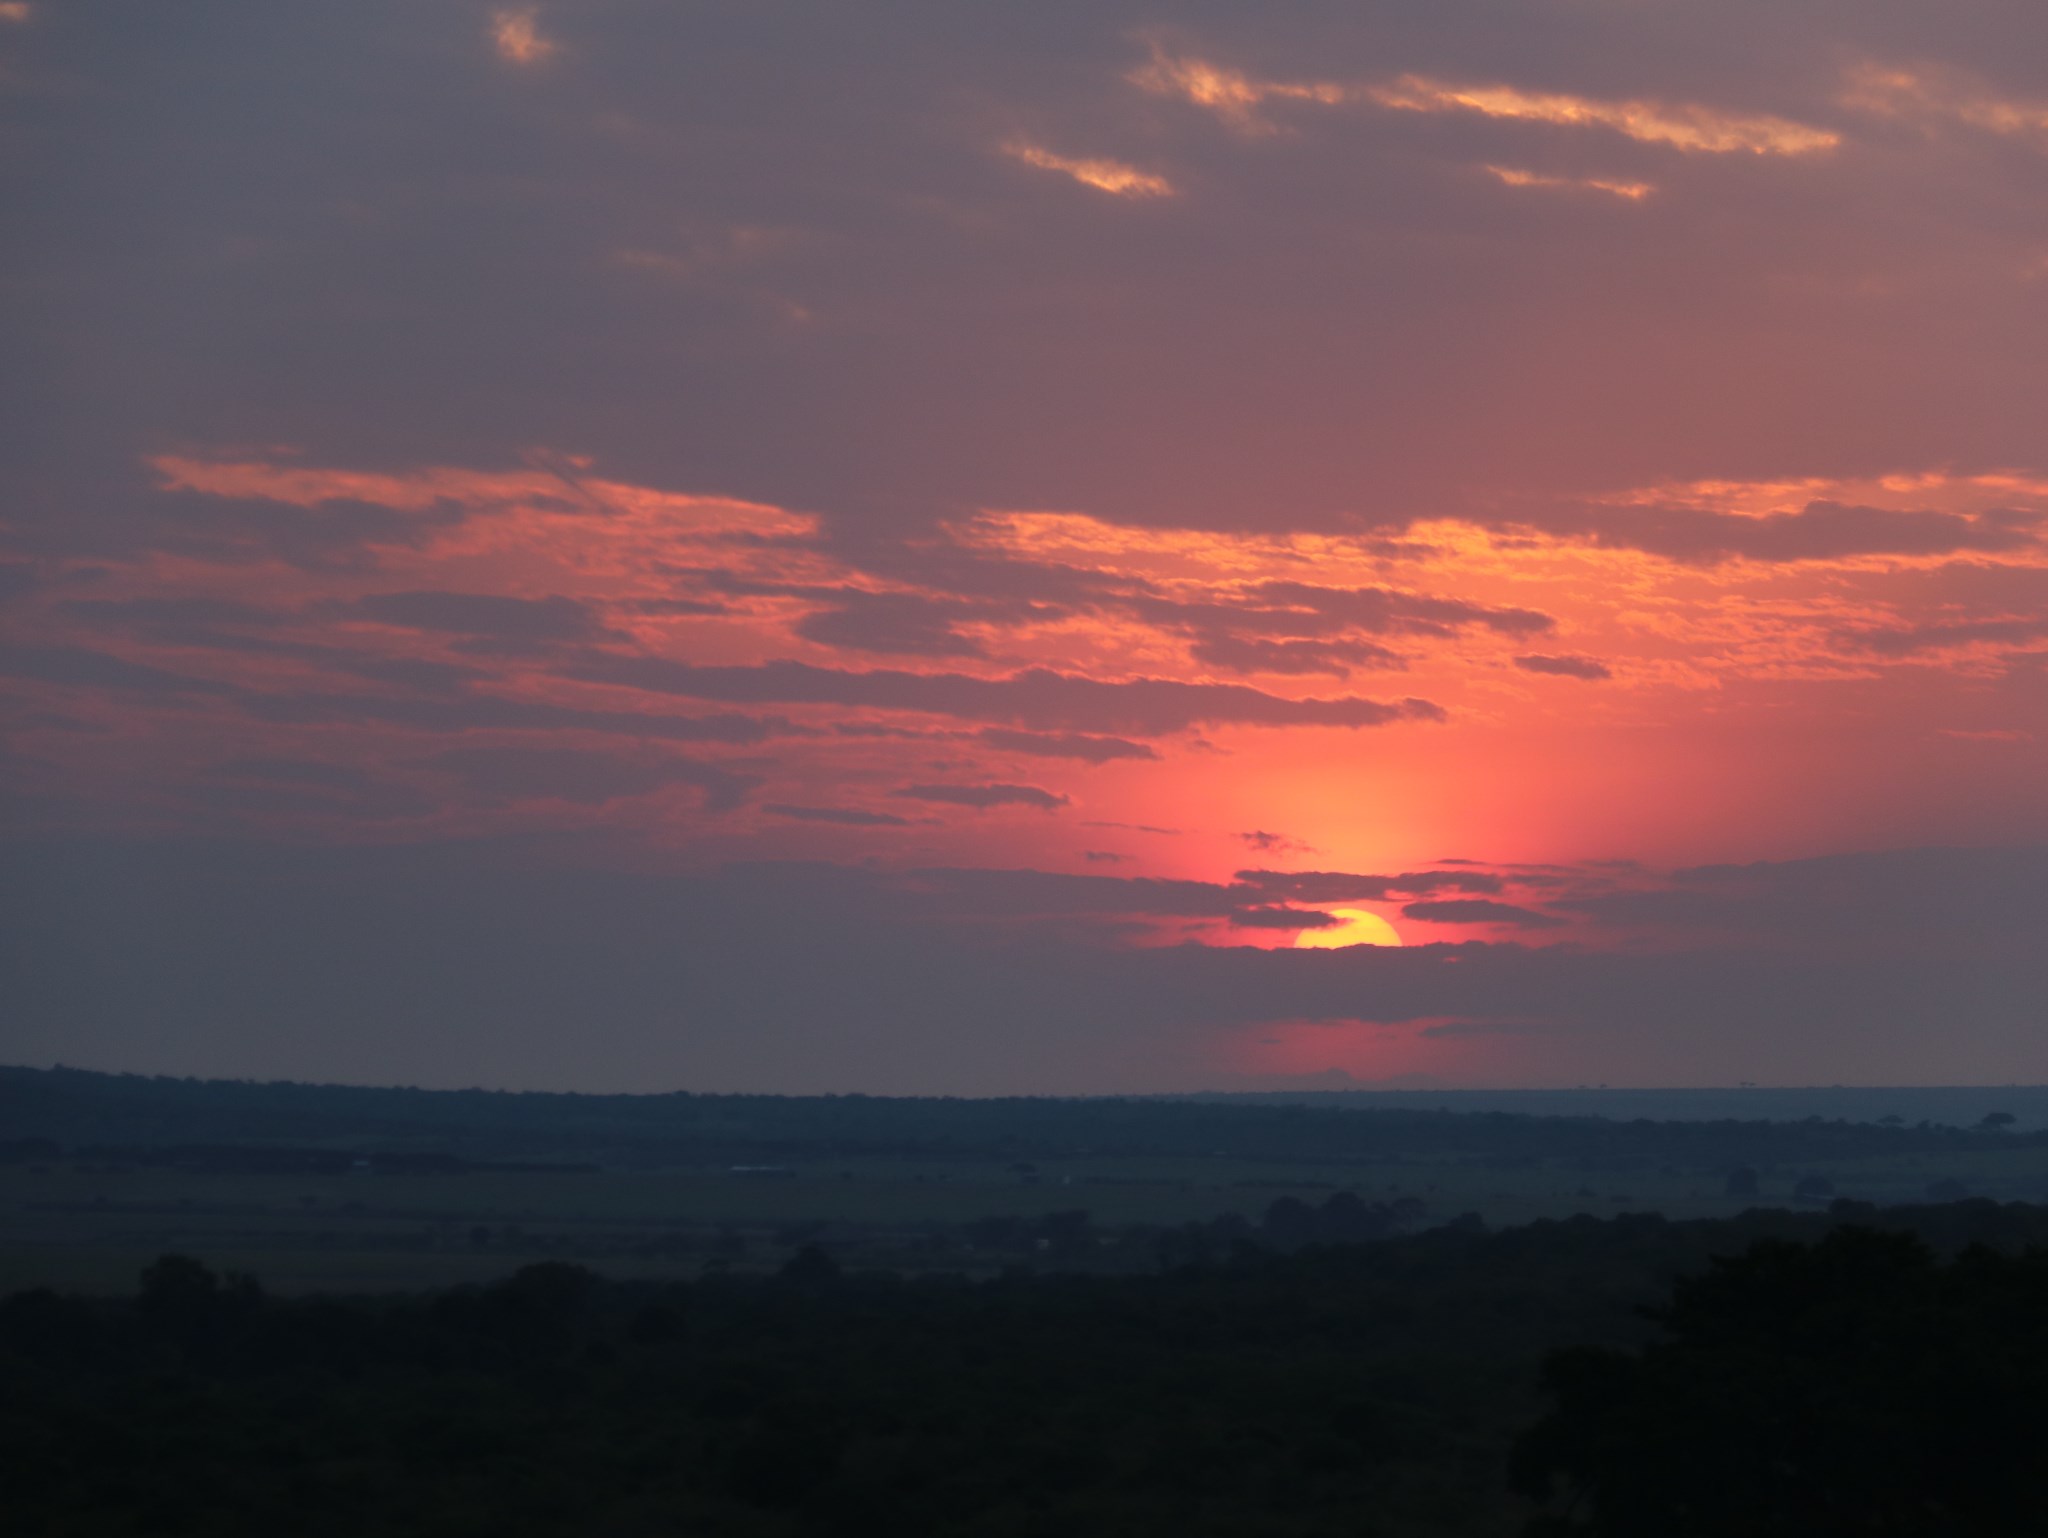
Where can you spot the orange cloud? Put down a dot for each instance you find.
(1230, 94)
(1111, 176)
(1932, 94)
(516, 35)
(1634, 192)
(15, 10)
(1682, 126)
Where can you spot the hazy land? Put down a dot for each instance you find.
(326, 1188)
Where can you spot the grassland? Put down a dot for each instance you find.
(90, 1225)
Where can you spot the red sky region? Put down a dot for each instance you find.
(933, 583)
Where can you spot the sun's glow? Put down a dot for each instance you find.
(1357, 926)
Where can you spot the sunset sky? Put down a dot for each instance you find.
(933, 547)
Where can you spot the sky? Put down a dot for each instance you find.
(1042, 548)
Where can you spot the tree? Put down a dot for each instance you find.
(1855, 1386)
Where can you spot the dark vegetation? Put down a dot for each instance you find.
(143, 1118)
(1853, 1372)
(844, 1315)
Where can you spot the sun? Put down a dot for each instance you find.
(1355, 926)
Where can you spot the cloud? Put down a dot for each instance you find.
(1239, 655)
(1981, 901)
(1565, 667)
(1480, 910)
(481, 712)
(1633, 192)
(1089, 750)
(1949, 635)
(1329, 886)
(1932, 94)
(1237, 98)
(1035, 698)
(492, 620)
(1679, 126)
(1281, 918)
(301, 786)
(906, 624)
(515, 33)
(174, 614)
(499, 775)
(1103, 857)
(1110, 176)
(1820, 531)
(1231, 94)
(844, 815)
(1267, 843)
(83, 667)
(982, 797)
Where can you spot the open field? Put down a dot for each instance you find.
(78, 1224)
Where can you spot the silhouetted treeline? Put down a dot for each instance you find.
(1860, 1385)
(1339, 1389)
(79, 1109)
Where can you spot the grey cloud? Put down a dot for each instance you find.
(1389, 612)
(505, 774)
(295, 771)
(1480, 910)
(483, 712)
(489, 621)
(18, 578)
(1266, 842)
(1329, 886)
(903, 624)
(1820, 531)
(1942, 635)
(297, 785)
(1238, 654)
(83, 667)
(1298, 627)
(1091, 750)
(984, 796)
(1565, 667)
(1904, 901)
(845, 815)
(1280, 918)
(1036, 697)
(174, 614)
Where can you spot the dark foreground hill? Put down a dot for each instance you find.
(1358, 1389)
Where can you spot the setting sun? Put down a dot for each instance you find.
(1355, 926)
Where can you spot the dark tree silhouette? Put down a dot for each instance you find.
(1856, 1386)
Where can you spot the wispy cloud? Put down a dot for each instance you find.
(1680, 125)
(1634, 192)
(1231, 94)
(1936, 94)
(1111, 176)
